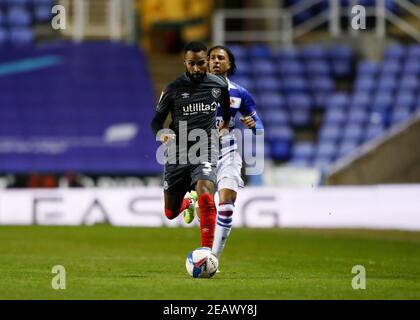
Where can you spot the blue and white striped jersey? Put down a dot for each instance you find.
(240, 101)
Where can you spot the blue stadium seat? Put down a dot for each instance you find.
(383, 100)
(286, 54)
(273, 118)
(271, 101)
(4, 35)
(395, 51)
(411, 67)
(405, 99)
(314, 52)
(299, 101)
(409, 82)
(317, 67)
(379, 117)
(346, 147)
(19, 17)
(262, 67)
(338, 100)
(303, 151)
(326, 149)
(268, 84)
(256, 52)
(387, 83)
(243, 68)
(414, 51)
(244, 81)
(400, 115)
(21, 36)
(290, 67)
(340, 53)
(341, 68)
(322, 84)
(322, 163)
(353, 132)
(391, 67)
(330, 133)
(42, 13)
(294, 84)
(239, 51)
(300, 117)
(360, 100)
(373, 131)
(357, 116)
(17, 2)
(335, 116)
(3, 20)
(367, 67)
(365, 83)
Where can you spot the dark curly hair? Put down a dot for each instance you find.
(232, 68)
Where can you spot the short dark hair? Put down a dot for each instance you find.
(195, 46)
(232, 69)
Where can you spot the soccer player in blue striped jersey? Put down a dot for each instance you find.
(229, 180)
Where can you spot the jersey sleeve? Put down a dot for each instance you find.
(163, 108)
(225, 104)
(248, 108)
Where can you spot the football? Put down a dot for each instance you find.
(202, 263)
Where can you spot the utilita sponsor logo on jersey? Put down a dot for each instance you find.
(194, 108)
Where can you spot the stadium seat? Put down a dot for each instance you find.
(346, 147)
(314, 52)
(353, 132)
(317, 67)
(395, 51)
(290, 68)
(21, 36)
(405, 99)
(326, 150)
(360, 100)
(262, 67)
(271, 101)
(330, 133)
(294, 84)
(335, 116)
(300, 117)
(256, 52)
(387, 83)
(357, 116)
(299, 101)
(19, 17)
(303, 151)
(3, 36)
(322, 84)
(268, 84)
(337, 100)
(391, 67)
(274, 117)
(367, 67)
(42, 13)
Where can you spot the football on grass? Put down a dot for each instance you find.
(202, 263)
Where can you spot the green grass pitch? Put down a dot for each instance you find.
(104, 262)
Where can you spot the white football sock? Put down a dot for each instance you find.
(223, 227)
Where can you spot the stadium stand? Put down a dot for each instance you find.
(303, 81)
(76, 107)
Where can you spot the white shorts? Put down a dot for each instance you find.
(229, 172)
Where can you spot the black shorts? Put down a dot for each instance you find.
(183, 177)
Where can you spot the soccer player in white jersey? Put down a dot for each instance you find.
(229, 180)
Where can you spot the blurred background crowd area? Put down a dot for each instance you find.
(340, 105)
